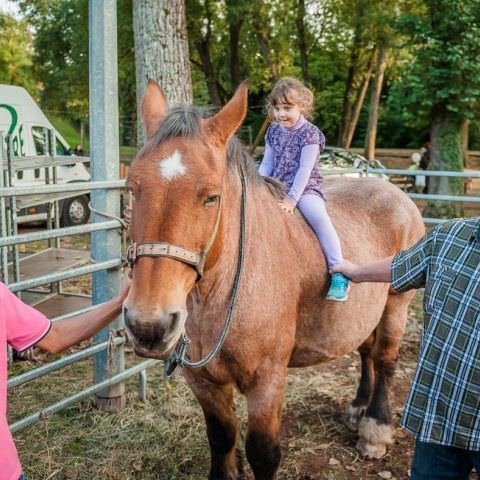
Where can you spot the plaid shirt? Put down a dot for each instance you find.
(443, 405)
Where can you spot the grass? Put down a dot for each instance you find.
(67, 130)
(71, 133)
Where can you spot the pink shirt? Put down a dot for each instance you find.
(21, 327)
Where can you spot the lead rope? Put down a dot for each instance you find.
(179, 356)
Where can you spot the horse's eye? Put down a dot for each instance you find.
(212, 200)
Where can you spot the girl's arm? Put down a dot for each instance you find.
(266, 167)
(308, 157)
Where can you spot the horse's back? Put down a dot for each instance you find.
(372, 213)
(374, 219)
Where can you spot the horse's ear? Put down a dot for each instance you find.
(154, 108)
(225, 123)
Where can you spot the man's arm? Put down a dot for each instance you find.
(380, 271)
(65, 333)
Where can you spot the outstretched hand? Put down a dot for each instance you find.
(349, 269)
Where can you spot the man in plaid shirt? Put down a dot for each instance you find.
(443, 406)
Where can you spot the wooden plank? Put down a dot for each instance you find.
(49, 261)
(60, 304)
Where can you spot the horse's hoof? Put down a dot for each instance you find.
(354, 415)
(371, 450)
(373, 437)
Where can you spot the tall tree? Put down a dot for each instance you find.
(443, 84)
(377, 84)
(361, 24)
(236, 12)
(302, 41)
(350, 127)
(161, 50)
(202, 17)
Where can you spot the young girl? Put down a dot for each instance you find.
(292, 147)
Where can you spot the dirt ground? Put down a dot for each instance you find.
(164, 437)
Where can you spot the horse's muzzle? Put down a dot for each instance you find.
(154, 336)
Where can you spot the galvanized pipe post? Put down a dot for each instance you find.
(104, 153)
(12, 227)
(3, 216)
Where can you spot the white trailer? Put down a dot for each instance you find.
(33, 136)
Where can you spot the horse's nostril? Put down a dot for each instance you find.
(175, 320)
(126, 316)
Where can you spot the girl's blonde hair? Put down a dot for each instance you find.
(290, 91)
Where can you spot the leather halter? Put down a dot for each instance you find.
(165, 249)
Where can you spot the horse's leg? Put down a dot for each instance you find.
(356, 410)
(265, 401)
(218, 408)
(375, 428)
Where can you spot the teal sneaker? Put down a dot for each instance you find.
(338, 291)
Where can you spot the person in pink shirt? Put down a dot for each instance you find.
(23, 327)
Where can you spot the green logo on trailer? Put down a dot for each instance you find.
(17, 141)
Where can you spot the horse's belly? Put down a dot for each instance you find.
(328, 330)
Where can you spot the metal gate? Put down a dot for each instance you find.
(106, 260)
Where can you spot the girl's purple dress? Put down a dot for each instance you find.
(291, 156)
(287, 145)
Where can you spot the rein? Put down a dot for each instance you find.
(197, 261)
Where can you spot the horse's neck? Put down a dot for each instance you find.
(271, 236)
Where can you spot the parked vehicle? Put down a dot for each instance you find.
(28, 126)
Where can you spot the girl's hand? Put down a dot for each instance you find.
(287, 206)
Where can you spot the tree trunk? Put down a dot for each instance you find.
(465, 138)
(203, 49)
(161, 50)
(302, 43)
(357, 108)
(371, 135)
(262, 33)
(235, 15)
(347, 97)
(446, 154)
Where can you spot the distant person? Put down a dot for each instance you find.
(23, 327)
(78, 151)
(418, 181)
(425, 162)
(292, 148)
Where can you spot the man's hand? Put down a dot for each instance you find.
(349, 269)
(371, 272)
(287, 206)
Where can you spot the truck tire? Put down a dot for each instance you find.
(75, 211)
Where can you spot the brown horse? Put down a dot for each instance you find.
(187, 191)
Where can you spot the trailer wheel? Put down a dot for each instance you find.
(75, 211)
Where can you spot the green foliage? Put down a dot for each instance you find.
(433, 64)
(67, 129)
(445, 75)
(16, 53)
(61, 58)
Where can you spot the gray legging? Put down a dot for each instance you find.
(315, 212)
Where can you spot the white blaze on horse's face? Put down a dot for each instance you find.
(172, 166)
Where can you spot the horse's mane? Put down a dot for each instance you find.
(185, 121)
